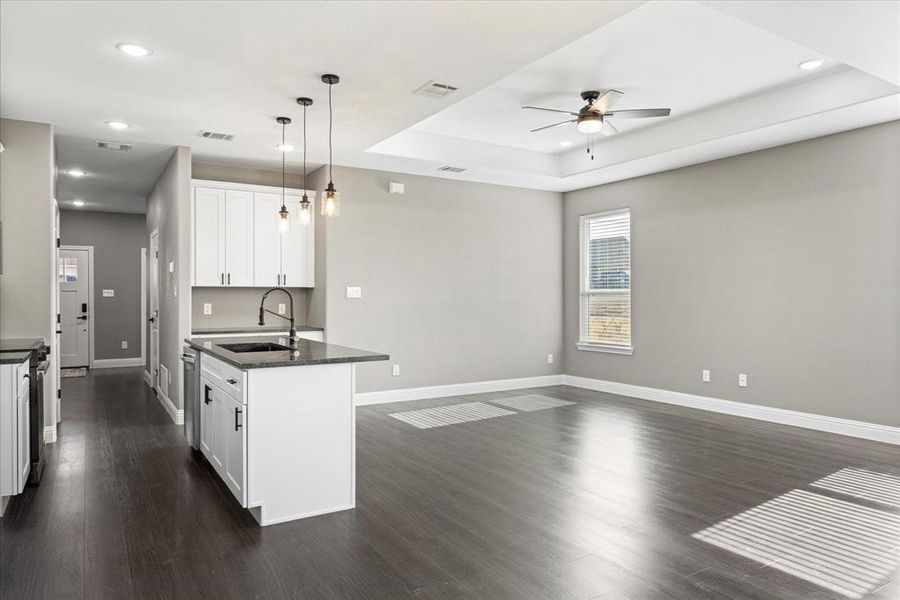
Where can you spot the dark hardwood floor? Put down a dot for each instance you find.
(598, 499)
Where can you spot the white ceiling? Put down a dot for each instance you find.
(116, 181)
(727, 69)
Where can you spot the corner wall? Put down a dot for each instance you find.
(461, 282)
(169, 210)
(783, 264)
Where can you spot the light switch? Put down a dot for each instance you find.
(124, 344)
(109, 293)
(354, 292)
(207, 308)
(172, 267)
(395, 370)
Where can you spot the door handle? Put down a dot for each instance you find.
(82, 318)
(84, 307)
(206, 391)
(237, 411)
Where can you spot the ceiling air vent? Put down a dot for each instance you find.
(449, 169)
(435, 89)
(114, 146)
(213, 135)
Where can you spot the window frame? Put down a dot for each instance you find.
(584, 291)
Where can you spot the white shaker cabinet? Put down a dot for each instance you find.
(237, 241)
(15, 456)
(223, 436)
(223, 237)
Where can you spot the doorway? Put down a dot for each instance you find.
(153, 316)
(76, 305)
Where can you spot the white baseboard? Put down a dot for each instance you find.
(112, 363)
(860, 429)
(147, 379)
(455, 389)
(49, 434)
(176, 414)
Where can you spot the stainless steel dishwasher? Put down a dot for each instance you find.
(191, 360)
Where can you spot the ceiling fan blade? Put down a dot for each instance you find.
(566, 112)
(608, 128)
(639, 113)
(554, 125)
(606, 101)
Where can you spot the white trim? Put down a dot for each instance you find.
(248, 187)
(605, 348)
(455, 389)
(92, 315)
(859, 429)
(147, 378)
(143, 306)
(176, 415)
(113, 363)
(49, 434)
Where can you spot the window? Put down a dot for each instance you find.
(606, 282)
(68, 270)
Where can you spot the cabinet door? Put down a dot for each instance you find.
(206, 418)
(24, 448)
(266, 240)
(209, 235)
(235, 472)
(220, 430)
(297, 250)
(238, 238)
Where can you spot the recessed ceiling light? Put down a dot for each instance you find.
(76, 172)
(118, 125)
(78, 202)
(285, 147)
(565, 143)
(811, 65)
(135, 50)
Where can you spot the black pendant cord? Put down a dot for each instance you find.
(283, 152)
(304, 152)
(330, 127)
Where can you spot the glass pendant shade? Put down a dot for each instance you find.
(283, 221)
(331, 202)
(304, 214)
(590, 124)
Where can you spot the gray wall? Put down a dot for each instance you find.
(461, 281)
(26, 209)
(783, 264)
(239, 307)
(169, 210)
(117, 240)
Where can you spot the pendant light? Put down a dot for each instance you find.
(283, 222)
(304, 215)
(331, 199)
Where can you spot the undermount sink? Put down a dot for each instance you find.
(254, 347)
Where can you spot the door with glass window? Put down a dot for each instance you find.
(74, 301)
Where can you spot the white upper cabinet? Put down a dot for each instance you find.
(237, 241)
(209, 236)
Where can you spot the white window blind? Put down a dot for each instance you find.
(606, 282)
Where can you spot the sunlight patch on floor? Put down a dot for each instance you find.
(868, 485)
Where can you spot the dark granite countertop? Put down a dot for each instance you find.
(308, 352)
(20, 344)
(250, 329)
(11, 357)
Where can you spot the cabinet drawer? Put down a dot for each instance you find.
(227, 377)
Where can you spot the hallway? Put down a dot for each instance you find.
(599, 498)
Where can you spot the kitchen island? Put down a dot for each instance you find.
(278, 424)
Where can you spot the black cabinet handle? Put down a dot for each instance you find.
(284, 279)
(231, 381)
(222, 277)
(206, 391)
(229, 279)
(237, 426)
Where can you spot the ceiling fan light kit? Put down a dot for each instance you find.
(594, 117)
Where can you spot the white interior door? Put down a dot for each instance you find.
(75, 299)
(153, 316)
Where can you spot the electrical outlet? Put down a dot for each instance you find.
(354, 292)
(124, 344)
(705, 375)
(207, 308)
(281, 308)
(549, 359)
(742, 380)
(395, 370)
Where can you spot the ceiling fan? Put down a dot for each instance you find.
(594, 116)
